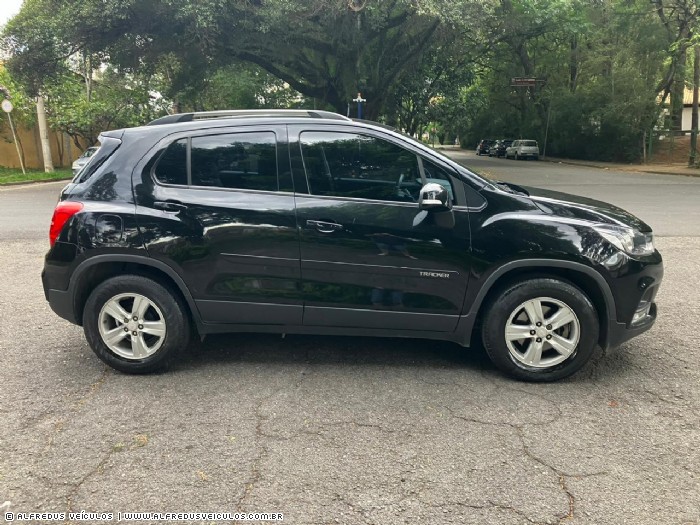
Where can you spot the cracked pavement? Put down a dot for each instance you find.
(348, 430)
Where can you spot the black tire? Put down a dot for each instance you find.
(170, 306)
(517, 157)
(508, 301)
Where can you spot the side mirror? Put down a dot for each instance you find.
(434, 197)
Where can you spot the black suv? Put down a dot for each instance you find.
(483, 147)
(308, 222)
(499, 148)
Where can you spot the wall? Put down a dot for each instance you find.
(63, 151)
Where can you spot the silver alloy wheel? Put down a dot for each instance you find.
(542, 332)
(132, 326)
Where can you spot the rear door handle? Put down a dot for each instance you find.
(171, 206)
(325, 226)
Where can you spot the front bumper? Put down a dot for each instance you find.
(635, 297)
(619, 333)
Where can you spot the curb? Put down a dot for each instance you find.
(28, 182)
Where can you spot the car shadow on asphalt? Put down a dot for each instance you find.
(306, 349)
(309, 350)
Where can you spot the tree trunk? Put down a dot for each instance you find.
(694, 124)
(677, 93)
(44, 134)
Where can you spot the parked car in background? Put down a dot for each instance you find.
(499, 148)
(83, 159)
(523, 149)
(484, 146)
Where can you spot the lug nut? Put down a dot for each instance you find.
(549, 327)
(532, 332)
(539, 339)
(549, 337)
(538, 323)
(126, 329)
(134, 333)
(140, 327)
(126, 320)
(135, 318)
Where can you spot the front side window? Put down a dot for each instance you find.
(245, 161)
(359, 166)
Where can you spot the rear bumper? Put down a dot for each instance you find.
(60, 301)
(62, 304)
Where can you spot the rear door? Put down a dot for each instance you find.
(369, 257)
(217, 206)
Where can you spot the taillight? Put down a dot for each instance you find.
(64, 211)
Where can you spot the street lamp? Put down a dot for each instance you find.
(359, 101)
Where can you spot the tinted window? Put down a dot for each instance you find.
(528, 143)
(108, 145)
(172, 166)
(246, 161)
(351, 165)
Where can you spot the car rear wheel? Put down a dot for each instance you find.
(540, 329)
(134, 324)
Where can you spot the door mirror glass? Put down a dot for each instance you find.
(434, 197)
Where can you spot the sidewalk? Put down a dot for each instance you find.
(661, 169)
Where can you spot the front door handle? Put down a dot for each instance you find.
(171, 206)
(325, 226)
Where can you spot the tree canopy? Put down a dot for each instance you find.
(600, 64)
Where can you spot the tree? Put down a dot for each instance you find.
(113, 100)
(327, 50)
(23, 114)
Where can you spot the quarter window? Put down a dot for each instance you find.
(172, 166)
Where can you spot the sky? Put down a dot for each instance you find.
(8, 9)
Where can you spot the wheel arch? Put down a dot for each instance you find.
(583, 277)
(99, 268)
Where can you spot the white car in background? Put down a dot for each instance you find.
(523, 149)
(83, 159)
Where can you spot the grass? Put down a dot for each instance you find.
(8, 175)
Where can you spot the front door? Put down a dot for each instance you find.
(369, 257)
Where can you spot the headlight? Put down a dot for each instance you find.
(627, 239)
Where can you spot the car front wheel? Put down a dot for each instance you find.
(134, 324)
(540, 329)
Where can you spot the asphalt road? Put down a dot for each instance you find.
(669, 204)
(354, 430)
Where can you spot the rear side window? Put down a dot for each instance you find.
(172, 166)
(528, 143)
(245, 161)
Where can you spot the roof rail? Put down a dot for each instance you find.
(243, 113)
